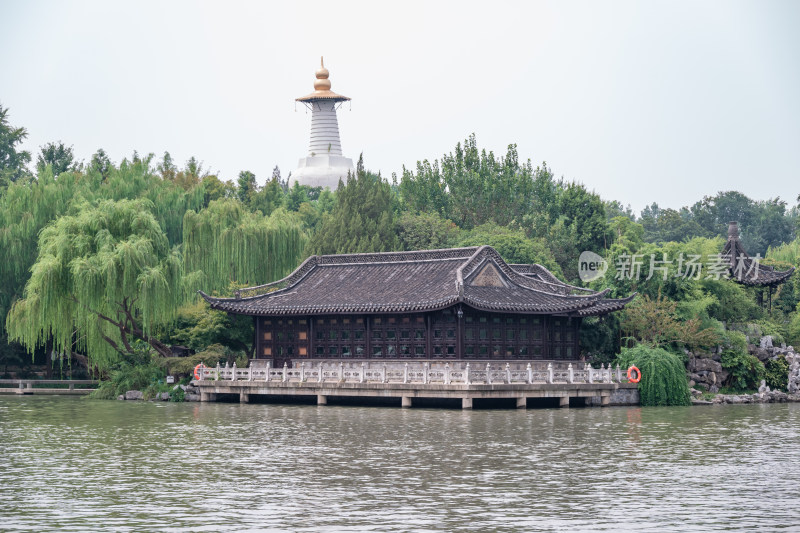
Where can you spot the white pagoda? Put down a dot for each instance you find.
(324, 165)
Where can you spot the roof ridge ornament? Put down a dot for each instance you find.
(733, 231)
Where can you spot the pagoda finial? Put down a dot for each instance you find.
(733, 231)
(322, 83)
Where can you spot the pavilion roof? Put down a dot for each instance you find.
(425, 280)
(746, 270)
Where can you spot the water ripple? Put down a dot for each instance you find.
(77, 465)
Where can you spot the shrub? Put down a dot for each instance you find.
(746, 371)
(777, 373)
(128, 377)
(663, 375)
(184, 366)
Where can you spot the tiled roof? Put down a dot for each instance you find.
(416, 281)
(746, 270)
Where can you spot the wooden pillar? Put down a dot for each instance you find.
(459, 334)
(547, 335)
(368, 333)
(428, 340)
(311, 353)
(258, 351)
(770, 299)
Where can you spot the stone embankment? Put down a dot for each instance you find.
(190, 394)
(707, 375)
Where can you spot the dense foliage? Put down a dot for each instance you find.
(663, 379)
(101, 258)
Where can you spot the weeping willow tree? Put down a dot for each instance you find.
(232, 245)
(104, 276)
(663, 375)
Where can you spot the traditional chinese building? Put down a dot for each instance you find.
(748, 270)
(324, 165)
(462, 304)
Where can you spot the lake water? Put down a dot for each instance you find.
(72, 464)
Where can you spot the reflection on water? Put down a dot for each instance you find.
(77, 465)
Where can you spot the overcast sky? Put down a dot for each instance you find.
(640, 101)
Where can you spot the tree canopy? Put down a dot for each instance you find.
(104, 275)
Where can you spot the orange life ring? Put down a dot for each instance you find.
(631, 370)
(196, 369)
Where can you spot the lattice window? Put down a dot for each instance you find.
(398, 336)
(503, 336)
(283, 339)
(339, 337)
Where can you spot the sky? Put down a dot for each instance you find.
(641, 102)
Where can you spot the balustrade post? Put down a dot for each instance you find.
(488, 374)
(589, 373)
(202, 371)
(217, 377)
(302, 372)
(619, 374)
(285, 372)
(549, 372)
(341, 371)
(266, 376)
(383, 373)
(250, 372)
(319, 377)
(425, 373)
(530, 374)
(508, 373)
(233, 372)
(571, 376)
(363, 367)
(466, 375)
(447, 373)
(405, 373)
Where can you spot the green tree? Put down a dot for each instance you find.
(512, 245)
(12, 160)
(231, 244)
(363, 219)
(167, 168)
(426, 231)
(100, 163)
(585, 212)
(247, 187)
(471, 186)
(663, 380)
(656, 322)
(102, 278)
(269, 198)
(58, 156)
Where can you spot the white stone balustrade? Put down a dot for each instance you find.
(424, 372)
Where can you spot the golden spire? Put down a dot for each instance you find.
(322, 83)
(322, 87)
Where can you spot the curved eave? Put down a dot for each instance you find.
(766, 279)
(239, 307)
(606, 306)
(323, 95)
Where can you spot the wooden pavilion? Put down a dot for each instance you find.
(748, 270)
(458, 304)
